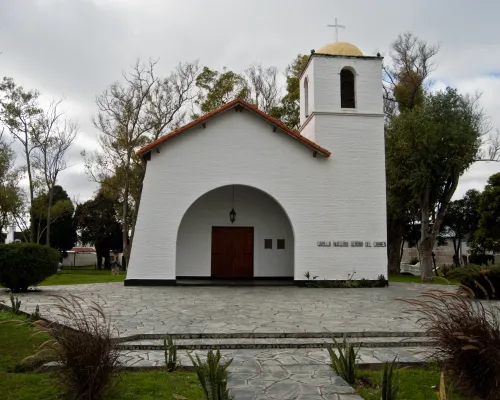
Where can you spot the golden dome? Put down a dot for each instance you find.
(340, 49)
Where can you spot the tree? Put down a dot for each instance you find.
(289, 109)
(130, 114)
(487, 235)
(218, 88)
(461, 220)
(432, 146)
(405, 84)
(19, 112)
(97, 223)
(63, 233)
(53, 137)
(263, 89)
(11, 196)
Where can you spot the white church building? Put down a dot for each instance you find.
(236, 194)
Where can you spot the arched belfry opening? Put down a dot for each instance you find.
(306, 97)
(347, 88)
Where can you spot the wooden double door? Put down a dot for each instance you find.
(232, 252)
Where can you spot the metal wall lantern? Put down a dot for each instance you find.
(232, 213)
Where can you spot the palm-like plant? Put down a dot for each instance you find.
(212, 375)
(344, 364)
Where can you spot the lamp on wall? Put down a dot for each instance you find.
(232, 213)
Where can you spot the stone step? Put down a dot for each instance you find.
(255, 360)
(270, 343)
(275, 335)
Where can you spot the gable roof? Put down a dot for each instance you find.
(237, 102)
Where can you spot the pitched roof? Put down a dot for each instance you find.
(292, 132)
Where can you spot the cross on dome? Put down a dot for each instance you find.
(336, 26)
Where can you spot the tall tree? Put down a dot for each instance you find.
(218, 88)
(405, 83)
(97, 223)
(53, 137)
(289, 109)
(11, 196)
(432, 146)
(130, 114)
(487, 235)
(461, 220)
(19, 112)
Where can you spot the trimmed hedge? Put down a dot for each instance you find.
(483, 280)
(26, 264)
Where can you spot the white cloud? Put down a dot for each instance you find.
(78, 47)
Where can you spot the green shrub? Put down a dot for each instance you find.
(26, 264)
(483, 280)
(344, 364)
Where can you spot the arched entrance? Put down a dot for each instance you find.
(256, 241)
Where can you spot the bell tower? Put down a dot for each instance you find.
(341, 89)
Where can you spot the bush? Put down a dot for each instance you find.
(484, 281)
(83, 345)
(26, 264)
(467, 338)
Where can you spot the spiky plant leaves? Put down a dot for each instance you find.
(390, 383)
(344, 364)
(170, 353)
(212, 375)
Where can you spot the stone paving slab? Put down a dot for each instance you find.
(160, 310)
(284, 374)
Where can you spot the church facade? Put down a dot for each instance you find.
(236, 194)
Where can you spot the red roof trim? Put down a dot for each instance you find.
(225, 107)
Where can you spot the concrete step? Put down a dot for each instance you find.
(274, 343)
(254, 360)
(277, 335)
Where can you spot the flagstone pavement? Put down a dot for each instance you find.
(296, 374)
(140, 310)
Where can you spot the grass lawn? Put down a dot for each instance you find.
(414, 384)
(77, 276)
(416, 279)
(17, 342)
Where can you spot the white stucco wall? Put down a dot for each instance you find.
(337, 198)
(253, 209)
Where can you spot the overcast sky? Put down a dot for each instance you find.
(75, 48)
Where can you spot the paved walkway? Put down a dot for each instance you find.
(256, 374)
(149, 310)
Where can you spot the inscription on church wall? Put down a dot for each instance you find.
(353, 243)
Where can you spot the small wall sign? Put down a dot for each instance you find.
(353, 243)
